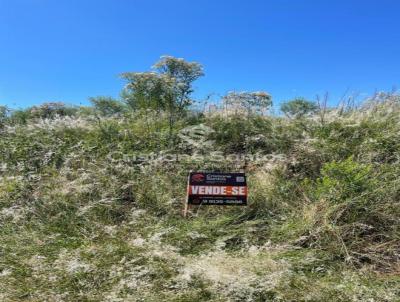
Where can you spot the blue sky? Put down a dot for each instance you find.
(59, 50)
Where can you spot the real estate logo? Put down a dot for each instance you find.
(196, 136)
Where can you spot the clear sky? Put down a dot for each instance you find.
(69, 50)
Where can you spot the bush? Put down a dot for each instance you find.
(20, 117)
(241, 134)
(346, 211)
(298, 108)
(341, 181)
(3, 115)
(51, 110)
(107, 106)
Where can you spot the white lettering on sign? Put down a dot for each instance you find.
(219, 190)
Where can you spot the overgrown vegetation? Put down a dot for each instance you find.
(91, 198)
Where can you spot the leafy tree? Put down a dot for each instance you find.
(166, 89)
(169, 88)
(299, 107)
(148, 90)
(183, 73)
(107, 106)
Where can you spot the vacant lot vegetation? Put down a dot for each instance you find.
(86, 216)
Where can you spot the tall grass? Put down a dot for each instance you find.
(84, 218)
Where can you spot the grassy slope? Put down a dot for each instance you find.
(322, 222)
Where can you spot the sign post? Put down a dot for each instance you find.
(206, 188)
(186, 208)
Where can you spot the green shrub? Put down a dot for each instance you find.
(107, 106)
(343, 180)
(298, 108)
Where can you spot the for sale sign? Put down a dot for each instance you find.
(217, 188)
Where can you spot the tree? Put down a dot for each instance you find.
(252, 102)
(148, 90)
(168, 88)
(107, 106)
(183, 73)
(298, 108)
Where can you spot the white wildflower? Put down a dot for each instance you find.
(196, 235)
(5, 273)
(138, 241)
(75, 265)
(110, 229)
(15, 212)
